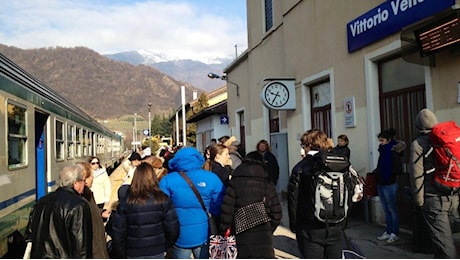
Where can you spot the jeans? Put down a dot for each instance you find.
(387, 194)
(199, 252)
(436, 211)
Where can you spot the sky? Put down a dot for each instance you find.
(179, 29)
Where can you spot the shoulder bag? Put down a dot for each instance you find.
(212, 223)
(251, 215)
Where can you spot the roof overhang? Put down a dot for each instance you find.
(217, 109)
(422, 40)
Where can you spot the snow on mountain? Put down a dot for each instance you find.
(191, 71)
(151, 57)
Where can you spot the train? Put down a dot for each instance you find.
(42, 133)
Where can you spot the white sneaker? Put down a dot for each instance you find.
(384, 236)
(392, 238)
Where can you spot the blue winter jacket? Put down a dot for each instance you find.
(192, 218)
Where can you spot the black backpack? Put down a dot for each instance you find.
(334, 180)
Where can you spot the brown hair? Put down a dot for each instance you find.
(213, 151)
(157, 165)
(316, 140)
(263, 142)
(87, 168)
(343, 137)
(94, 157)
(145, 185)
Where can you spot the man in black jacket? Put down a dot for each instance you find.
(60, 224)
(268, 159)
(315, 238)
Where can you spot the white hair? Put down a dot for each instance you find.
(70, 174)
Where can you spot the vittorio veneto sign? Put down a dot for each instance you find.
(388, 18)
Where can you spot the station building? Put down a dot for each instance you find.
(353, 67)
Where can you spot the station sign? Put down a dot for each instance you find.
(390, 17)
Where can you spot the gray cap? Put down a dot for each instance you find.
(425, 120)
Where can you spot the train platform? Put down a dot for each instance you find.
(363, 234)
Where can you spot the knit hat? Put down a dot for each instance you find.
(425, 120)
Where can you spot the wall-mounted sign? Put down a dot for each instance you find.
(224, 120)
(279, 95)
(390, 17)
(349, 112)
(439, 34)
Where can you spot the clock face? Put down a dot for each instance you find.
(276, 94)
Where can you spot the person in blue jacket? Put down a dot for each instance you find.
(193, 235)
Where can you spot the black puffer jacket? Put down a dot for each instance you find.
(143, 230)
(60, 226)
(249, 184)
(270, 163)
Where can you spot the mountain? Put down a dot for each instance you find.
(103, 88)
(191, 71)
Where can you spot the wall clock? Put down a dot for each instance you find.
(279, 95)
(276, 94)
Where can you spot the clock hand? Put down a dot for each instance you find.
(276, 95)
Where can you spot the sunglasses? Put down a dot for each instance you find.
(93, 163)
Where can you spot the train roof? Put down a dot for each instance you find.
(22, 84)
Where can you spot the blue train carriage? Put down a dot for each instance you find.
(42, 133)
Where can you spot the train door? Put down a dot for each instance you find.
(40, 154)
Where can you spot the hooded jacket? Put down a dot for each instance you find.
(270, 163)
(250, 184)
(389, 164)
(420, 162)
(192, 218)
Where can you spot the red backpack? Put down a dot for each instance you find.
(445, 138)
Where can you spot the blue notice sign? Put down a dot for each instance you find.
(390, 17)
(224, 120)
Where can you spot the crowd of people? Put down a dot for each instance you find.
(159, 205)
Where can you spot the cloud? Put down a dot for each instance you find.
(181, 29)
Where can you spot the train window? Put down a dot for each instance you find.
(100, 144)
(90, 144)
(96, 144)
(70, 141)
(78, 142)
(17, 136)
(85, 143)
(59, 140)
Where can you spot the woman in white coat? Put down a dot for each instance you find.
(102, 188)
